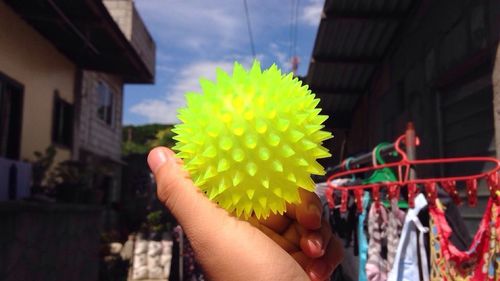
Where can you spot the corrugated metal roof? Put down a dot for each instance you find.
(366, 6)
(353, 37)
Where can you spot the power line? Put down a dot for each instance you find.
(295, 27)
(292, 52)
(249, 28)
(290, 37)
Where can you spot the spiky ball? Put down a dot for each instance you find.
(250, 141)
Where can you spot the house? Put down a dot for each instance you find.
(63, 65)
(377, 65)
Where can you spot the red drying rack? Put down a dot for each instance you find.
(403, 167)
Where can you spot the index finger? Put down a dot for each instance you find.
(308, 211)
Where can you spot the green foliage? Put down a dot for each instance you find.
(142, 133)
(78, 173)
(41, 165)
(155, 221)
(164, 138)
(130, 147)
(140, 139)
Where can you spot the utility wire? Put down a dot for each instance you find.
(290, 37)
(292, 51)
(295, 31)
(249, 28)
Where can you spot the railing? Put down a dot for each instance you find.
(15, 179)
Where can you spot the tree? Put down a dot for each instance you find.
(140, 139)
(164, 138)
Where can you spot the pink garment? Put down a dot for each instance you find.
(376, 266)
(394, 227)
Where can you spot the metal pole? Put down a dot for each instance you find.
(410, 142)
(363, 159)
(181, 254)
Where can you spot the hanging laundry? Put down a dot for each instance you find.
(376, 266)
(362, 241)
(343, 224)
(480, 262)
(394, 227)
(406, 265)
(384, 229)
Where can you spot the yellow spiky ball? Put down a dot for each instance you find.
(251, 140)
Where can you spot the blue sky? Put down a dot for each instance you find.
(194, 37)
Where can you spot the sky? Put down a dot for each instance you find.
(194, 37)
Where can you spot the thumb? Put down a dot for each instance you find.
(177, 191)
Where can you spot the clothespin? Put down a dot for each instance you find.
(412, 192)
(343, 200)
(358, 198)
(451, 188)
(376, 196)
(492, 181)
(493, 185)
(430, 190)
(393, 191)
(330, 197)
(471, 186)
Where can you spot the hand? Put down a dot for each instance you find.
(292, 247)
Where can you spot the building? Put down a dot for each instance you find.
(63, 65)
(378, 64)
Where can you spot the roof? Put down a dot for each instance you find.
(85, 32)
(353, 38)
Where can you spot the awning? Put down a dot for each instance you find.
(353, 37)
(85, 32)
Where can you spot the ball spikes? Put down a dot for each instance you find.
(251, 140)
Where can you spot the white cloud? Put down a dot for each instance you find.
(311, 13)
(165, 110)
(190, 75)
(194, 37)
(156, 111)
(279, 51)
(194, 24)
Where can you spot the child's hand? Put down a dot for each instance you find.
(290, 247)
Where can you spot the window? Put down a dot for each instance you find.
(104, 103)
(62, 121)
(11, 112)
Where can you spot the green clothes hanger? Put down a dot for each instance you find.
(380, 175)
(383, 175)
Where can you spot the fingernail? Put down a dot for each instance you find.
(316, 244)
(313, 209)
(157, 158)
(318, 270)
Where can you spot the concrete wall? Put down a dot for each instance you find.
(130, 22)
(31, 60)
(49, 242)
(95, 135)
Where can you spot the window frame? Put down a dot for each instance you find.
(62, 133)
(13, 136)
(106, 102)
